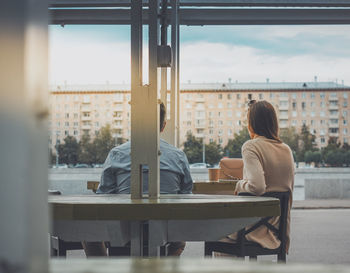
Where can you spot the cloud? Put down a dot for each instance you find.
(96, 54)
(211, 62)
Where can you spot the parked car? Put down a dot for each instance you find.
(79, 165)
(198, 166)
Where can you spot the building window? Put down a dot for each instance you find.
(322, 114)
(220, 105)
(189, 123)
(322, 104)
(294, 105)
(229, 132)
(312, 113)
(261, 96)
(322, 95)
(294, 114)
(250, 96)
(219, 114)
(345, 131)
(345, 113)
(294, 96)
(345, 103)
(303, 105)
(67, 115)
(220, 96)
(66, 124)
(76, 132)
(312, 104)
(312, 95)
(303, 95)
(220, 122)
(66, 133)
(238, 96)
(272, 95)
(229, 96)
(189, 115)
(211, 132)
(220, 132)
(229, 114)
(345, 122)
(229, 105)
(188, 105)
(58, 124)
(211, 140)
(220, 140)
(76, 124)
(294, 122)
(238, 114)
(323, 140)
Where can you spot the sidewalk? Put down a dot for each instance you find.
(322, 204)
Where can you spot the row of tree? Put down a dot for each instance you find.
(87, 150)
(302, 144)
(92, 151)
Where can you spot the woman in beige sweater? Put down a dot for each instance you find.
(268, 166)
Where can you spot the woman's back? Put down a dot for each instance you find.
(276, 160)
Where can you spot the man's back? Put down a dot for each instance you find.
(174, 171)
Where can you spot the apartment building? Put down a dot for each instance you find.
(213, 111)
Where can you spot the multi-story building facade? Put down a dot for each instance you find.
(213, 111)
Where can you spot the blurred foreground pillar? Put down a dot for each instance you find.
(23, 140)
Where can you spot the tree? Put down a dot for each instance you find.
(68, 151)
(335, 158)
(315, 157)
(103, 143)
(193, 148)
(86, 151)
(290, 137)
(213, 153)
(234, 146)
(306, 143)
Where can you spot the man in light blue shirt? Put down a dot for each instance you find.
(175, 178)
(175, 174)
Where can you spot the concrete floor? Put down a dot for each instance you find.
(318, 236)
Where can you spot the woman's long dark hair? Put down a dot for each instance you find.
(262, 119)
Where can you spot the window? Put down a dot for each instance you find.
(229, 96)
(189, 115)
(272, 95)
(238, 96)
(188, 96)
(303, 105)
(220, 105)
(66, 106)
(312, 104)
(312, 122)
(345, 131)
(76, 132)
(294, 105)
(229, 105)
(188, 105)
(345, 122)
(219, 114)
(322, 132)
(66, 133)
(345, 95)
(322, 95)
(97, 124)
(57, 115)
(294, 96)
(322, 104)
(229, 114)
(211, 132)
(189, 123)
(86, 99)
(58, 124)
(250, 96)
(66, 124)
(312, 95)
(294, 122)
(322, 114)
(238, 114)
(283, 103)
(313, 113)
(220, 132)
(76, 124)
(303, 95)
(294, 114)
(345, 140)
(229, 132)
(220, 122)
(345, 113)
(303, 114)
(220, 96)
(67, 115)
(323, 140)
(334, 130)
(261, 96)
(345, 103)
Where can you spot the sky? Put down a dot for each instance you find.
(100, 54)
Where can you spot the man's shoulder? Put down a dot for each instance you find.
(166, 147)
(125, 147)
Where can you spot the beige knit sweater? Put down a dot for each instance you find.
(268, 166)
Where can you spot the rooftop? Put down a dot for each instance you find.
(208, 86)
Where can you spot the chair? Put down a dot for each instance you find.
(243, 247)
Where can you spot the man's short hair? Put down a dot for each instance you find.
(162, 115)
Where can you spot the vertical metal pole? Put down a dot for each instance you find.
(178, 144)
(203, 149)
(136, 92)
(174, 93)
(153, 101)
(23, 112)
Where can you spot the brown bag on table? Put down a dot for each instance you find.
(231, 169)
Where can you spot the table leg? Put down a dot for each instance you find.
(136, 237)
(157, 236)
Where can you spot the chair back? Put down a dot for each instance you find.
(281, 231)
